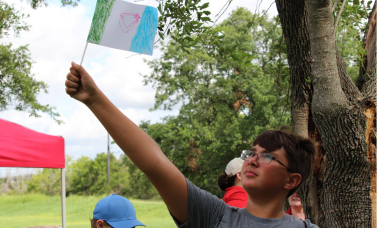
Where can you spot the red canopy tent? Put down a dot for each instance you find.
(23, 147)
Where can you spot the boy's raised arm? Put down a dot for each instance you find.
(135, 143)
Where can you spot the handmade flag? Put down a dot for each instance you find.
(123, 25)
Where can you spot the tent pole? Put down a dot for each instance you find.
(63, 199)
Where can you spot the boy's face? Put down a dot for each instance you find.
(264, 178)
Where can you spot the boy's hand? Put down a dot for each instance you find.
(80, 85)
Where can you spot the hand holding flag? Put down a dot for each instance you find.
(80, 85)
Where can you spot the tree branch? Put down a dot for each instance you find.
(339, 14)
(294, 21)
(349, 88)
(328, 96)
(369, 89)
(268, 9)
(334, 6)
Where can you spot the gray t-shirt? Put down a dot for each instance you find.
(207, 211)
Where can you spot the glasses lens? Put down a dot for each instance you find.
(265, 158)
(244, 154)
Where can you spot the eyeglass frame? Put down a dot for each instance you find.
(245, 155)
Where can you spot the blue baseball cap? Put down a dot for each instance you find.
(117, 211)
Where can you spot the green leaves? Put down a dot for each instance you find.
(11, 19)
(349, 32)
(205, 5)
(206, 19)
(69, 2)
(38, 3)
(179, 16)
(46, 182)
(86, 176)
(17, 85)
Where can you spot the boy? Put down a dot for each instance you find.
(270, 173)
(114, 211)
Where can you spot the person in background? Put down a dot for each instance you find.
(230, 183)
(116, 212)
(296, 208)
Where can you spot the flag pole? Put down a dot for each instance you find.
(82, 59)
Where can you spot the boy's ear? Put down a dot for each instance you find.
(293, 181)
(100, 223)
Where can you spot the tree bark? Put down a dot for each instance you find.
(345, 198)
(369, 91)
(349, 88)
(293, 17)
(294, 20)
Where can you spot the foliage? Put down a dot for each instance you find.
(181, 17)
(228, 96)
(10, 19)
(46, 181)
(38, 3)
(186, 18)
(138, 185)
(14, 183)
(349, 32)
(86, 176)
(18, 87)
(90, 176)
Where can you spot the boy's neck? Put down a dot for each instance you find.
(263, 208)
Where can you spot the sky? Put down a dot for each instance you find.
(58, 36)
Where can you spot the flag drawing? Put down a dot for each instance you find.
(123, 25)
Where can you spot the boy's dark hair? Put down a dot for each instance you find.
(93, 223)
(299, 151)
(225, 182)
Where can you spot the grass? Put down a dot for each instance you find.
(37, 210)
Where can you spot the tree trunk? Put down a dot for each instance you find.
(369, 91)
(293, 17)
(294, 20)
(347, 178)
(338, 115)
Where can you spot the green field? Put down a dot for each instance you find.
(37, 210)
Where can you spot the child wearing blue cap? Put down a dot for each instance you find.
(114, 211)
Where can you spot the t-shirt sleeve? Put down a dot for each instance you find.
(308, 224)
(204, 209)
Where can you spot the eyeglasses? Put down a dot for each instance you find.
(262, 158)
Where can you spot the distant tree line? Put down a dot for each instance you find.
(84, 176)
